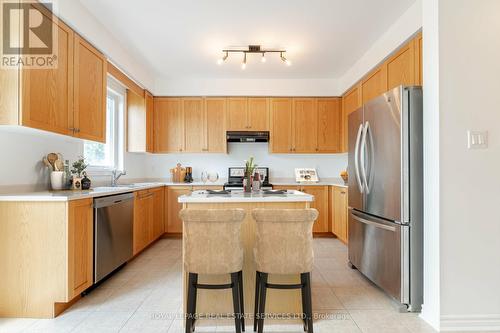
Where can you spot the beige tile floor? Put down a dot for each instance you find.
(145, 297)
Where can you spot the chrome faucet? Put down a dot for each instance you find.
(116, 175)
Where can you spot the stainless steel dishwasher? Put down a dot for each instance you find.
(113, 233)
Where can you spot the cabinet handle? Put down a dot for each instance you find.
(342, 192)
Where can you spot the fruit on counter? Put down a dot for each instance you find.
(344, 175)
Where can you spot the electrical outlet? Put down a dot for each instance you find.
(477, 139)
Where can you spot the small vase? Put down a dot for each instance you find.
(247, 184)
(86, 183)
(56, 180)
(77, 183)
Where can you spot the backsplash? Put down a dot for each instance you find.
(281, 165)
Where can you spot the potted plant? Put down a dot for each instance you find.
(78, 169)
(249, 170)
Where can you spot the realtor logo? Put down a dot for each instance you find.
(28, 35)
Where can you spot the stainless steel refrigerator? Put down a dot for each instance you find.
(386, 193)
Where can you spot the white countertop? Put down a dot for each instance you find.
(204, 197)
(322, 182)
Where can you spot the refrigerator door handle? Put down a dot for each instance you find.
(362, 156)
(376, 222)
(356, 159)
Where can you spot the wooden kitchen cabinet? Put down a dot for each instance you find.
(330, 127)
(174, 224)
(168, 125)
(140, 115)
(215, 125)
(143, 220)
(281, 125)
(90, 88)
(80, 246)
(305, 125)
(248, 114)
(158, 224)
(194, 124)
(150, 107)
(69, 99)
(375, 84)
(320, 203)
(338, 208)
(401, 68)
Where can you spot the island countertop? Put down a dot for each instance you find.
(205, 197)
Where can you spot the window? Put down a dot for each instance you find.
(109, 156)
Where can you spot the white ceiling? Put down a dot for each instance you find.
(183, 38)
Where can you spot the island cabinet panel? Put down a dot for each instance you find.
(168, 125)
(90, 86)
(215, 125)
(305, 125)
(80, 246)
(339, 211)
(281, 135)
(237, 114)
(330, 126)
(258, 114)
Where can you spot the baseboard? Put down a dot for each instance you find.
(472, 323)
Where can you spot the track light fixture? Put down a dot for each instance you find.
(253, 49)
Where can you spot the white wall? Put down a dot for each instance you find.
(403, 29)
(462, 251)
(74, 14)
(281, 165)
(247, 87)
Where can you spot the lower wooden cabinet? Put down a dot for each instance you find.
(148, 217)
(174, 223)
(338, 209)
(320, 203)
(80, 246)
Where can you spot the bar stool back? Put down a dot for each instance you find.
(283, 245)
(213, 245)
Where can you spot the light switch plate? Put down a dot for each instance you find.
(477, 139)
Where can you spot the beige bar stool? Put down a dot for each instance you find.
(213, 245)
(283, 245)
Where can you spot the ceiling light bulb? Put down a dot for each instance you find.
(220, 61)
(243, 65)
(288, 62)
(263, 59)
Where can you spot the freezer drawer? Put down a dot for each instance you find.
(375, 250)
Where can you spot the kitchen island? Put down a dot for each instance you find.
(220, 302)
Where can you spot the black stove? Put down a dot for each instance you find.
(236, 176)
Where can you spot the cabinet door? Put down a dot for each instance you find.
(418, 59)
(351, 101)
(168, 125)
(47, 94)
(258, 114)
(321, 204)
(142, 220)
(194, 124)
(90, 85)
(281, 125)
(330, 125)
(339, 219)
(80, 246)
(401, 67)
(375, 84)
(237, 115)
(174, 224)
(305, 124)
(215, 125)
(149, 122)
(136, 123)
(158, 226)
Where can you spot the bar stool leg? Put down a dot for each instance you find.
(303, 293)
(191, 302)
(242, 303)
(236, 302)
(262, 301)
(306, 278)
(257, 295)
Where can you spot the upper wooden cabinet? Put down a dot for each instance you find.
(136, 122)
(248, 114)
(401, 68)
(281, 126)
(150, 107)
(69, 99)
(306, 125)
(375, 84)
(193, 124)
(90, 78)
(168, 125)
